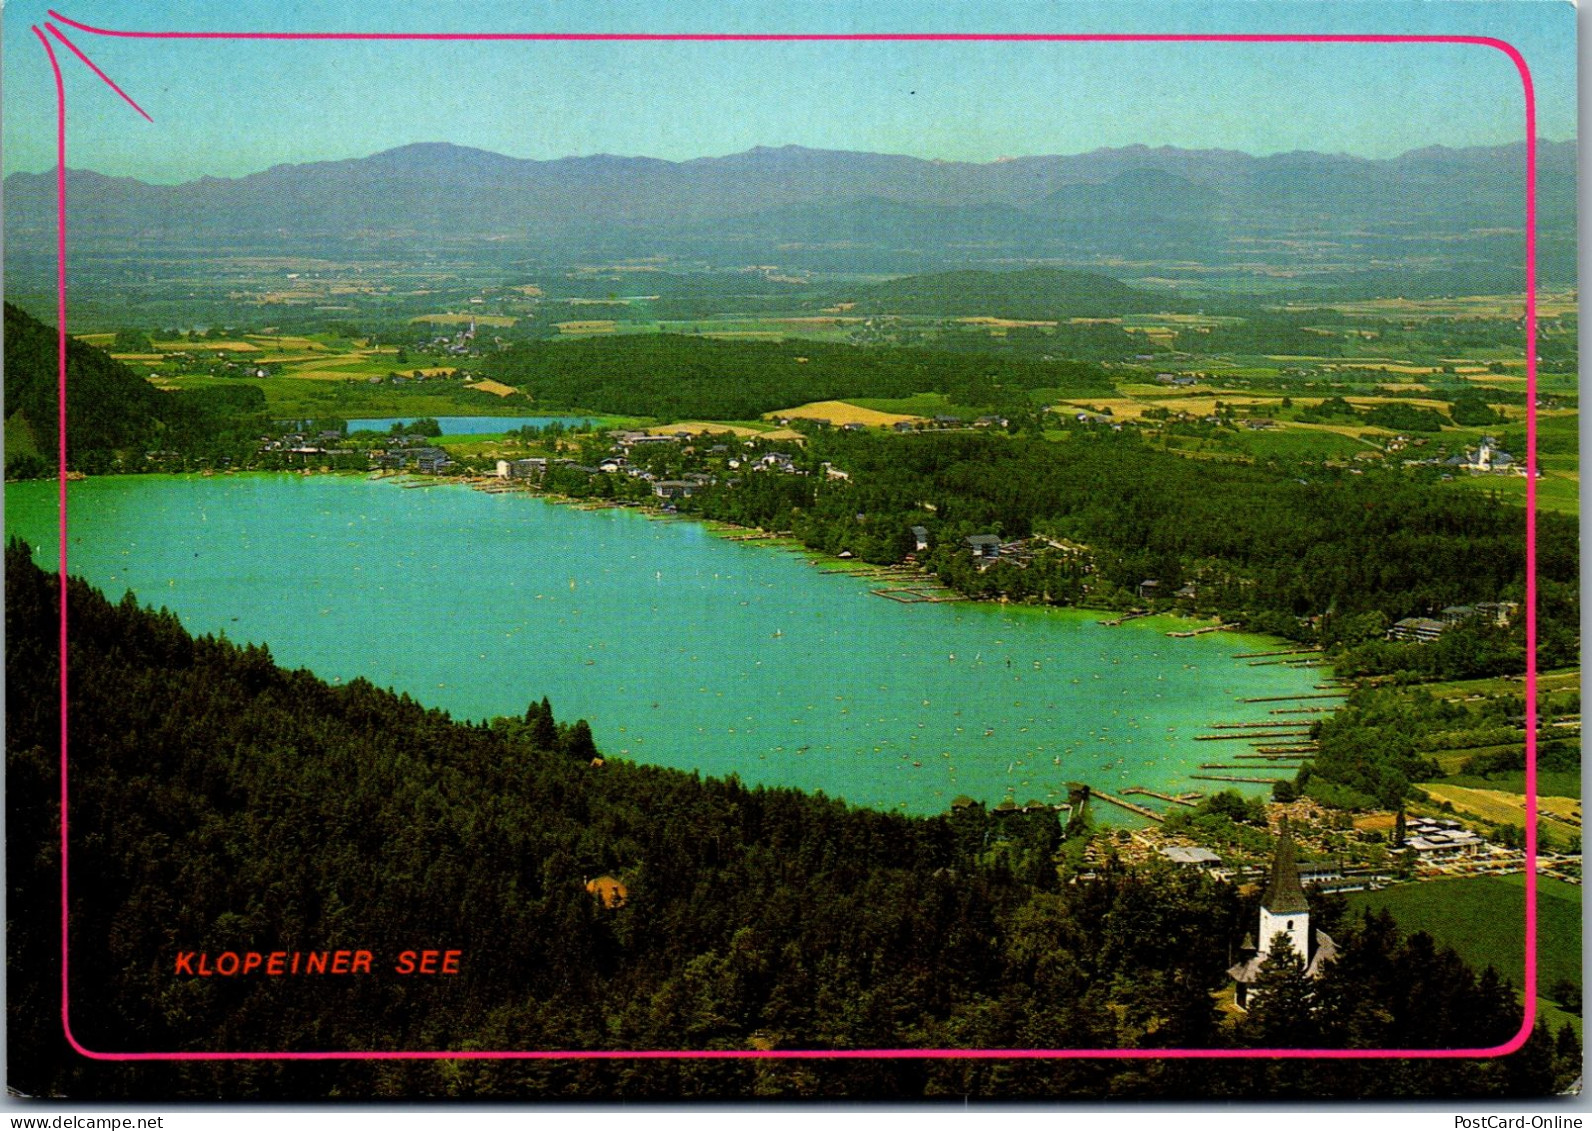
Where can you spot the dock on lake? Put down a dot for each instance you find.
(1189, 799)
(1230, 777)
(1130, 806)
(1251, 736)
(1291, 698)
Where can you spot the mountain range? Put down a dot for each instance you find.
(825, 210)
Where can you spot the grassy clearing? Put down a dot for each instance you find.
(496, 388)
(466, 319)
(921, 404)
(1549, 305)
(1483, 918)
(1550, 784)
(840, 412)
(290, 397)
(1297, 444)
(1556, 491)
(1560, 815)
(1122, 408)
(1561, 680)
(17, 438)
(699, 427)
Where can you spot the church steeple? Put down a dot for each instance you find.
(1285, 895)
(1284, 913)
(1284, 909)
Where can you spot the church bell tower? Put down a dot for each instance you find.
(1283, 909)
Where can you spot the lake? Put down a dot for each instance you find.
(679, 647)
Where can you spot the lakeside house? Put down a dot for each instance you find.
(1424, 630)
(984, 547)
(1419, 630)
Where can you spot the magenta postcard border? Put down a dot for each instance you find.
(1529, 989)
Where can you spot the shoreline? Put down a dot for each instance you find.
(1157, 624)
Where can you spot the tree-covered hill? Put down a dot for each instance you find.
(113, 416)
(221, 805)
(1036, 293)
(107, 405)
(681, 377)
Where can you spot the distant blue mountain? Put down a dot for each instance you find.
(1445, 207)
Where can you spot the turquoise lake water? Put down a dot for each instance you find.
(680, 648)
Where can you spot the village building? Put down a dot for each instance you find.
(984, 547)
(1195, 856)
(431, 461)
(1284, 914)
(1442, 839)
(1421, 630)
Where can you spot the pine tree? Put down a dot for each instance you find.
(579, 744)
(1283, 1001)
(544, 732)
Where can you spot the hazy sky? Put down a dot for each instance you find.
(229, 108)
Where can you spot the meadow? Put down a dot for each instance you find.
(1483, 918)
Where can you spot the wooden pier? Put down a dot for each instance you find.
(1229, 777)
(1189, 799)
(1250, 736)
(1283, 652)
(920, 595)
(1291, 698)
(1141, 810)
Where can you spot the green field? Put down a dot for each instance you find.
(923, 404)
(1555, 491)
(1549, 783)
(1483, 918)
(1295, 443)
(1562, 681)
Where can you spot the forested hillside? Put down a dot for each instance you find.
(108, 406)
(679, 377)
(1256, 543)
(220, 804)
(114, 417)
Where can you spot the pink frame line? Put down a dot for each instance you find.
(1529, 989)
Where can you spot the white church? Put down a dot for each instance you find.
(1284, 914)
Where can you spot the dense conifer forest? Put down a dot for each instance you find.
(1255, 543)
(220, 804)
(680, 377)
